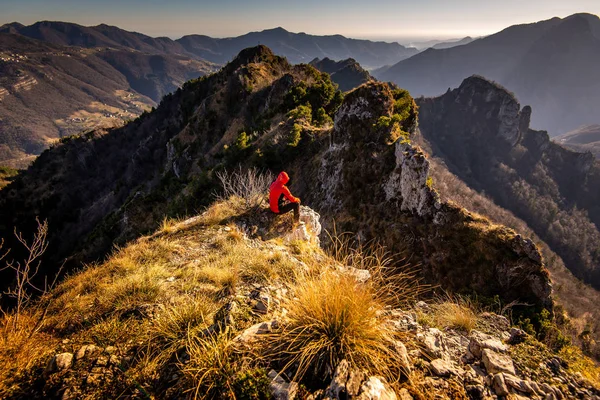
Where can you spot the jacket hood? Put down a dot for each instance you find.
(283, 177)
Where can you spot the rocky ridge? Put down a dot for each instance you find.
(488, 362)
(484, 137)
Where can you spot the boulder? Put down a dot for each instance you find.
(433, 342)
(280, 388)
(518, 384)
(251, 334)
(517, 336)
(375, 388)
(351, 383)
(59, 362)
(499, 385)
(85, 351)
(442, 367)
(346, 382)
(496, 362)
(309, 229)
(480, 341)
(406, 365)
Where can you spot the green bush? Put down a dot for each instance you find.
(252, 385)
(241, 142)
(322, 118)
(302, 112)
(295, 135)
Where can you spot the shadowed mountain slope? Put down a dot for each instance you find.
(551, 65)
(483, 135)
(50, 91)
(348, 74)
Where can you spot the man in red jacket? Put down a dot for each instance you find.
(277, 192)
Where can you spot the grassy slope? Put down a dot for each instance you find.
(159, 313)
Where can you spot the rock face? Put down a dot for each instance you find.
(382, 190)
(483, 135)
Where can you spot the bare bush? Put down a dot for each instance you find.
(26, 271)
(251, 185)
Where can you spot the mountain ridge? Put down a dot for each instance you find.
(517, 57)
(300, 47)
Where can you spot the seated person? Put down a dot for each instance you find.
(277, 192)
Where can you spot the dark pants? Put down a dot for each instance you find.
(286, 208)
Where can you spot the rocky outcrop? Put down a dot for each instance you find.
(349, 383)
(484, 138)
(384, 191)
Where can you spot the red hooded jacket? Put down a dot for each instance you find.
(278, 189)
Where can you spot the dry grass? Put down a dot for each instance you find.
(20, 350)
(455, 313)
(395, 280)
(334, 317)
(168, 225)
(422, 388)
(222, 210)
(212, 367)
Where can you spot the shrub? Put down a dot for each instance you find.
(322, 118)
(332, 318)
(302, 113)
(252, 385)
(295, 135)
(251, 185)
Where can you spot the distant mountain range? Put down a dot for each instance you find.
(551, 65)
(49, 90)
(296, 47)
(59, 78)
(453, 43)
(584, 138)
(299, 47)
(441, 44)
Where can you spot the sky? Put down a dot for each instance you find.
(390, 20)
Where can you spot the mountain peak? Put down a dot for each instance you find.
(278, 29)
(254, 54)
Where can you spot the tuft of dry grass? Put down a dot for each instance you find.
(222, 210)
(21, 349)
(333, 317)
(396, 281)
(213, 365)
(168, 226)
(226, 279)
(456, 313)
